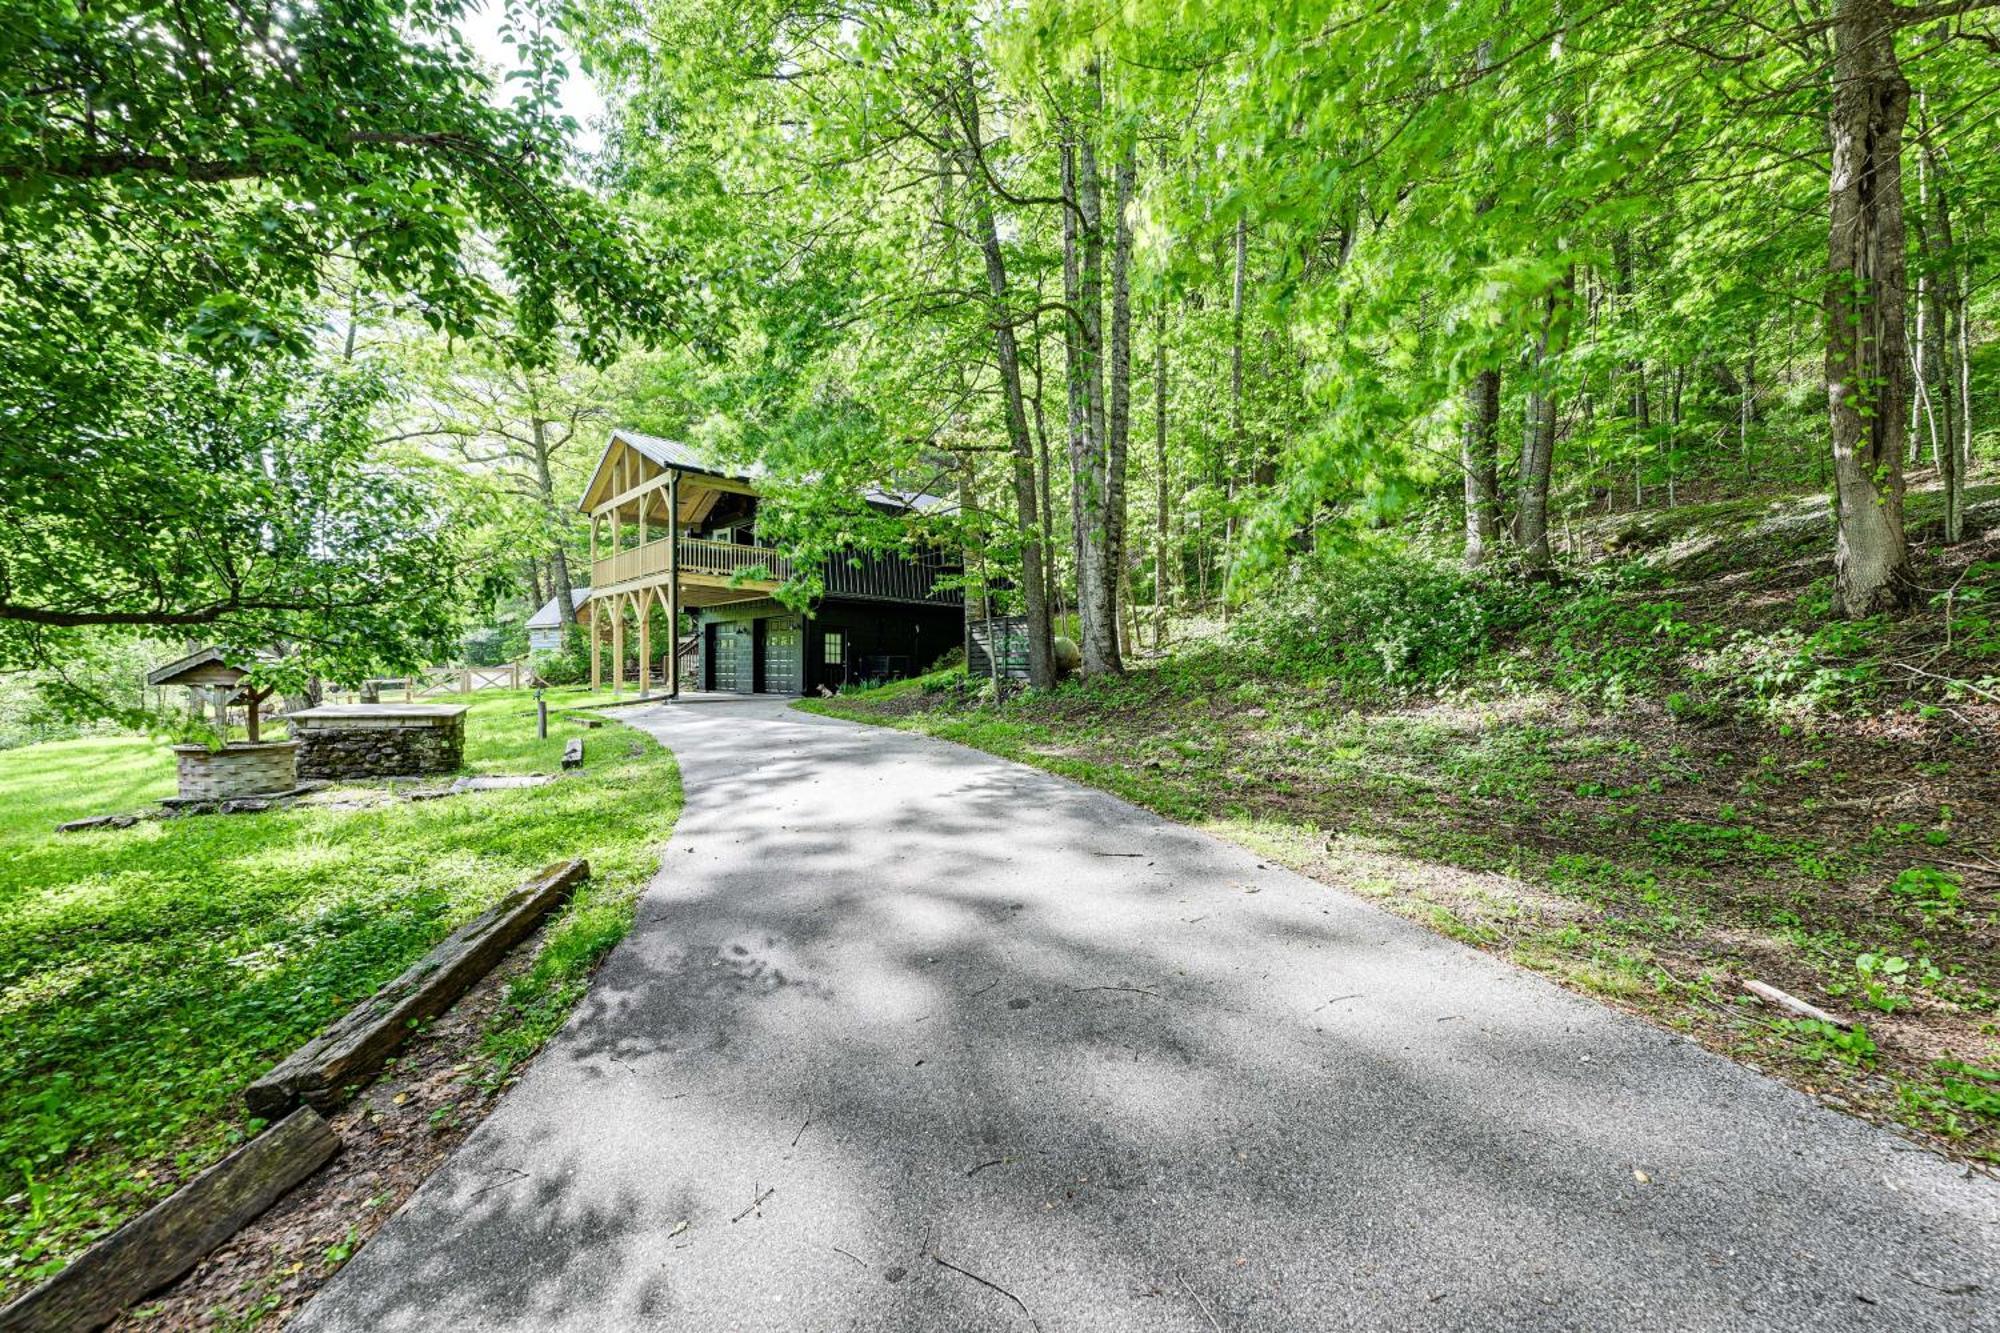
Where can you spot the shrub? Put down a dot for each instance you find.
(1386, 620)
(564, 666)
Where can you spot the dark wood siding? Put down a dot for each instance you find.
(875, 576)
(882, 640)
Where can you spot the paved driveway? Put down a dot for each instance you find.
(907, 1037)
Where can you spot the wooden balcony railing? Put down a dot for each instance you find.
(715, 559)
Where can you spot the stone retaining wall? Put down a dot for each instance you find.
(390, 740)
(238, 769)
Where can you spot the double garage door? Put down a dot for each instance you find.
(732, 655)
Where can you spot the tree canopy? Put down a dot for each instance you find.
(188, 446)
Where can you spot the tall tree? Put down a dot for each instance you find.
(1867, 371)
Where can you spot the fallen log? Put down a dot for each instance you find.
(321, 1072)
(97, 822)
(1772, 995)
(174, 1234)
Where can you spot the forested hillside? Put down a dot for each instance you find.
(1176, 295)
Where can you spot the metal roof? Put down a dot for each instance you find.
(686, 458)
(674, 454)
(546, 618)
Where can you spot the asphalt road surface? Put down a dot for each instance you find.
(907, 1037)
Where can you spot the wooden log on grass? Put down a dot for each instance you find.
(174, 1234)
(320, 1073)
(1784, 1000)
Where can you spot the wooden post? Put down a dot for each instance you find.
(618, 645)
(643, 604)
(674, 585)
(596, 631)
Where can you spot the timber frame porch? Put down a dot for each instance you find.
(643, 499)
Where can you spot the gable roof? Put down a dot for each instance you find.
(547, 617)
(686, 458)
(206, 666)
(662, 453)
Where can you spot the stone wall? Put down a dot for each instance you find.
(389, 741)
(238, 769)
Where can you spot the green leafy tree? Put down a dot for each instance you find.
(179, 185)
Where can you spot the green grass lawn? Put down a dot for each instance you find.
(148, 974)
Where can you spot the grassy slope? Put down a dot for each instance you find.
(1648, 793)
(147, 975)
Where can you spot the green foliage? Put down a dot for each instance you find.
(568, 665)
(152, 972)
(1819, 1040)
(189, 197)
(1933, 892)
(1387, 619)
(249, 504)
(188, 170)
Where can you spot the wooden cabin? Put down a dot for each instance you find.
(672, 533)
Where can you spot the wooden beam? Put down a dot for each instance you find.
(618, 644)
(643, 605)
(674, 583)
(627, 496)
(353, 1050)
(175, 1234)
(596, 634)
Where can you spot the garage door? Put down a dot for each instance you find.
(784, 644)
(729, 657)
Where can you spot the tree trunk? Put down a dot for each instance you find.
(1233, 458)
(1480, 456)
(1950, 308)
(1539, 443)
(560, 586)
(1097, 572)
(1117, 577)
(1007, 355)
(1075, 362)
(1048, 528)
(1160, 488)
(1867, 362)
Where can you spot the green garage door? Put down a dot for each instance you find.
(784, 651)
(729, 657)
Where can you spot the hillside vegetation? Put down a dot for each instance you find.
(1652, 778)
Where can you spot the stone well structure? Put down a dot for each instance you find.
(260, 768)
(378, 740)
